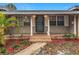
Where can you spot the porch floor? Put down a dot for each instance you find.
(40, 38)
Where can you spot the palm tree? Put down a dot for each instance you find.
(4, 24)
(11, 7)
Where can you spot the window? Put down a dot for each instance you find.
(23, 20)
(53, 20)
(26, 21)
(20, 20)
(60, 20)
(56, 20)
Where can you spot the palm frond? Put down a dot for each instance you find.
(2, 18)
(11, 25)
(11, 19)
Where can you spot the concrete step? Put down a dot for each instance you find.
(39, 38)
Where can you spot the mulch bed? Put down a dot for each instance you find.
(66, 46)
(57, 41)
(11, 42)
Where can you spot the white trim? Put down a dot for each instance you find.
(56, 20)
(31, 28)
(75, 24)
(78, 25)
(40, 12)
(48, 27)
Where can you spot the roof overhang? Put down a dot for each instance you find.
(40, 12)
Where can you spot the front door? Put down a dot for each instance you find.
(39, 23)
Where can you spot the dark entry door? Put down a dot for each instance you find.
(39, 23)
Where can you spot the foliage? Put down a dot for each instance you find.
(4, 24)
(13, 46)
(70, 36)
(10, 50)
(16, 46)
(17, 42)
(3, 50)
(11, 6)
(24, 42)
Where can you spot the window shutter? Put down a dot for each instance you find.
(66, 20)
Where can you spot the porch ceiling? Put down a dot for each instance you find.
(40, 12)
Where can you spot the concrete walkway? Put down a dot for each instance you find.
(31, 49)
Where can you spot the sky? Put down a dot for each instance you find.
(43, 6)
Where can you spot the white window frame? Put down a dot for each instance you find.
(57, 19)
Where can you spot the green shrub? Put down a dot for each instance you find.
(16, 46)
(24, 42)
(3, 50)
(70, 36)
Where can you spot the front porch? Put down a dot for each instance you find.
(43, 27)
(56, 25)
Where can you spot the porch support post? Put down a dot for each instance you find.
(31, 27)
(48, 26)
(75, 24)
(78, 25)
